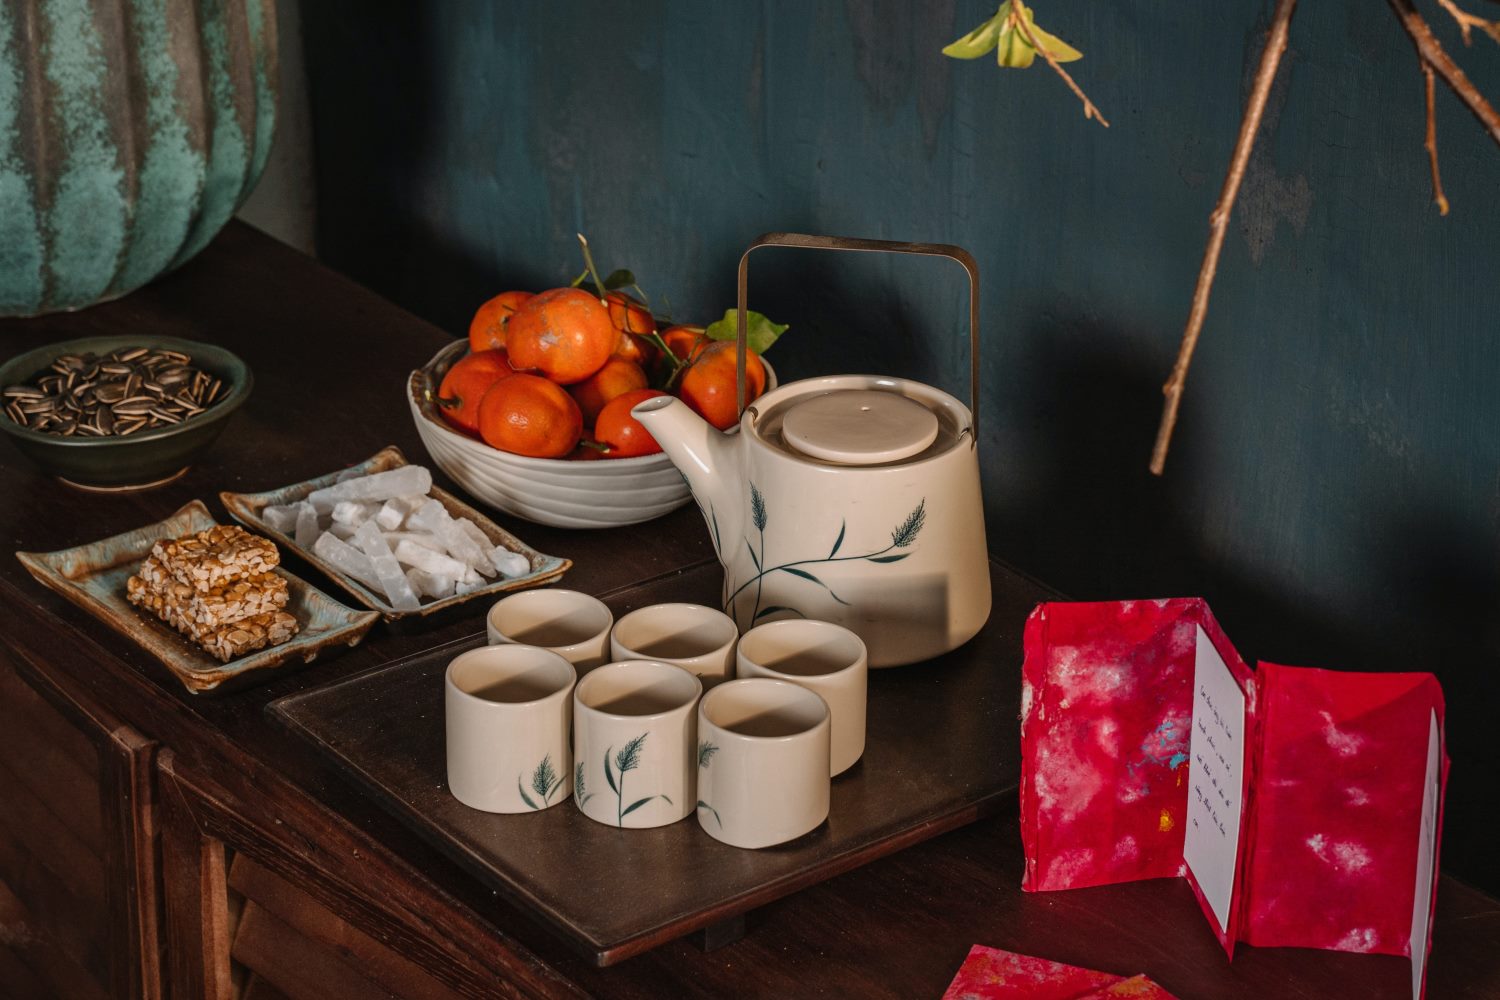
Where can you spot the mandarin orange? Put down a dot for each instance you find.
(708, 384)
(487, 328)
(620, 432)
(616, 377)
(565, 334)
(530, 415)
(633, 320)
(466, 383)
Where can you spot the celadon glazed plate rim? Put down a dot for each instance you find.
(246, 508)
(239, 390)
(93, 576)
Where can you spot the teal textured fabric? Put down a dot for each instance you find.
(130, 131)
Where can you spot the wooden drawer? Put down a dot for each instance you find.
(79, 889)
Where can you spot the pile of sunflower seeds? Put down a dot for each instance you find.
(128, 390)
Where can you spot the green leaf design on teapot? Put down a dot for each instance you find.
(903, 536)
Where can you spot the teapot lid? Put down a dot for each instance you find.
(860, 427)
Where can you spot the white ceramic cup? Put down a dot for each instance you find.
(821, 657)
(698, 639)
(762, 758)
(573, 625)
(633, 740)
(506, 711)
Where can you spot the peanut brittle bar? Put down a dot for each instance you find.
(249, 634)
(198, 613)
(221, 555)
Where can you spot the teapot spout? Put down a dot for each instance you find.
(706, 457)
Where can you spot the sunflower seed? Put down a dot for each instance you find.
(123, 392)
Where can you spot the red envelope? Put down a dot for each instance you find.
(992, 974)
(1134, 988)
(1302, 805)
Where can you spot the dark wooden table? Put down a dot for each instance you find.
(225, 858)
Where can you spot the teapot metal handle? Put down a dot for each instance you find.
(879, 246)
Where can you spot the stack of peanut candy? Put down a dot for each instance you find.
(217, 588)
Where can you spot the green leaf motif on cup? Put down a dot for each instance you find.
(580, 789)
(628, 759)
(706, 751)
(545, 781)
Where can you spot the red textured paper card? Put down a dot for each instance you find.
(1108, 703)
(1339, 810)
(1304, 806)
(992, 974)
(1134, 988)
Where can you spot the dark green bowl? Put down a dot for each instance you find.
(145, 459)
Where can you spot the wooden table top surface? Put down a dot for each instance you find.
(330, 360)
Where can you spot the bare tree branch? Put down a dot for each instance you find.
(1432, 154)
(1089, 110)
(1466, 21)
(1265, 75)
(1430, 51)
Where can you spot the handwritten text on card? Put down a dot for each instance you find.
(1216, 776)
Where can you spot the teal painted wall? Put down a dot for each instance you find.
(1334, 489)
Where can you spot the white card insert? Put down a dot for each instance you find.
(1216, 771)
(1421, 906)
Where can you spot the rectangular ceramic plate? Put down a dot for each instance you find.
(246, 508)
(940, 751)
(93, 577)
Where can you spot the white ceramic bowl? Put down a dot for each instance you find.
(604, 493)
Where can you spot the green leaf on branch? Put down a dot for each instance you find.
(1051, 44)
(1011, 46)
(760, 332)
(982, 39)
(620, 278)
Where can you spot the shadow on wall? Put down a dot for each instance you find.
(377, 227)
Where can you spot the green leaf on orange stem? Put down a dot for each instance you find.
(1051, 44)
(982, 39)
(760, 332)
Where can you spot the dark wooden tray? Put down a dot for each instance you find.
(942, 750)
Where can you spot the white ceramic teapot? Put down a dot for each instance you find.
(853, 499)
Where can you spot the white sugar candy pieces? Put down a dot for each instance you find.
(307, 525)
(418, 557)
(510, 564)
(387, 532)
(474, 547)
(347, 559)
(429, 516)
(429, 584)
(280, 518)
(416, 537)
(392, 577)
(401, 481)
(393, 513)
(353, 512)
